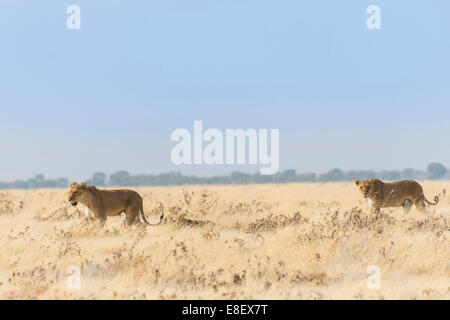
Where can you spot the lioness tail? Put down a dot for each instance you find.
(145, 220)
(436, 201)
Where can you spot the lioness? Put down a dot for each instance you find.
(394, 194)
(104, 203)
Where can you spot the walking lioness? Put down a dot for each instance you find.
(394, 194)
(104, 203)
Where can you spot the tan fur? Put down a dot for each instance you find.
(394, 194)
(103, 203)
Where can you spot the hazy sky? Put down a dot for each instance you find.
(108, 96)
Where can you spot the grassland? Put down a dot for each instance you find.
(290, 241)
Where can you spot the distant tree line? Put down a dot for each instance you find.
(434, 171)
(37, 182)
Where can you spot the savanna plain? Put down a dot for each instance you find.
(289, 241)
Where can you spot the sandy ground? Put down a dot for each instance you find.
(291, 241)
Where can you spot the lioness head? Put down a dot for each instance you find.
(368, 188)
(76, 192)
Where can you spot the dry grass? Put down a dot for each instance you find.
(294, 241)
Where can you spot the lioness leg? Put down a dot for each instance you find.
(101, 216)
(130, 219)
(407, 205)
(420, 205)
(131, 212)
(88, 214)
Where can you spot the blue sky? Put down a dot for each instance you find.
(108, 96)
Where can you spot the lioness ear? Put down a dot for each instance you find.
(83, 185)
(73, 184)
(357, 182)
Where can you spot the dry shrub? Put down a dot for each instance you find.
(438, 224)
(250, 208)
(317, 278)
(63, 213)
(273, 223)
(9, 204)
